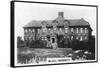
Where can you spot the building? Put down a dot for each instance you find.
(50, 30)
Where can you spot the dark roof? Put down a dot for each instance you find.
(72, 22)
(78, 22)
(33, 24)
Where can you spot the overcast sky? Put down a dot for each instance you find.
(26, 12)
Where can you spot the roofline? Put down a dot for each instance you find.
(60, 26)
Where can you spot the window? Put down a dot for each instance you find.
(38, 31)
(48, 37)
(33, 38)
(77, 37)
(54, 28)
(81, 30)
(44, 29)
(49, 29)
(67, 36)
(81, 38)
(66, 30)
(42, 38)
(29, 30)
(72, 29)
(86, 30)
(33, 30)
(30, 38)
(25, 38)
(60, 29)
(85, 37)
(45, 38)
(25, 30)
(77, 30)
(71, 37)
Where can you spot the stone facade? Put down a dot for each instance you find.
(50, 30)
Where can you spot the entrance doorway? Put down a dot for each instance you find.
(54, 42)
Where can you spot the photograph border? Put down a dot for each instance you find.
(12, 32)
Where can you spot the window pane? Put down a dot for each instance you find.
(81, 38)
(33, 30)
(25, 30)
(66, 30)
(85, 30)
(72, 29)
(77, 30)
(81, 30)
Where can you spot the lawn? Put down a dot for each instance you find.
(36, 55)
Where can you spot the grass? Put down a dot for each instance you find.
(32, 55)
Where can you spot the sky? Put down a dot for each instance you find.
(26, 12)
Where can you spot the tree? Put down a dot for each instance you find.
(20, 42)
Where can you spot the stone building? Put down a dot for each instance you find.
(50, 30)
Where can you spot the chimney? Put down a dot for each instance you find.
(60, 14)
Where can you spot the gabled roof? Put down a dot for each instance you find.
(34, 23)
(78, 22)
(73, 22)
(60, 21)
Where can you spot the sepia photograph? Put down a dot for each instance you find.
(51, 33)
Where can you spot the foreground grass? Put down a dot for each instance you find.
(32, 55)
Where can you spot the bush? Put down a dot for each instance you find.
(20, 42)
(37, 44)
(83, 45)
